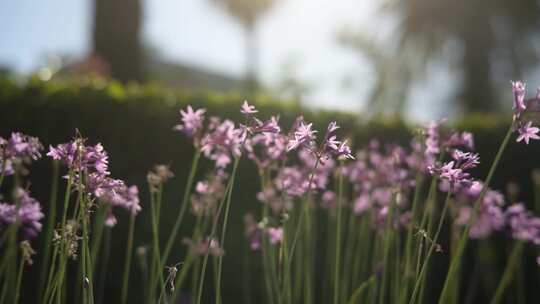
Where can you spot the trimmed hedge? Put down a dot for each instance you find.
(134, 123)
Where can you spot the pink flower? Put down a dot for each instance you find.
(518, 91)
(302, 135)
(527, 132)
(276, 235)
(191, 121)
(247, 109)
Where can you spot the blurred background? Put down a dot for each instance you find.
(379, 67)
(420, 59)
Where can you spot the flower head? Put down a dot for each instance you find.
(27, 212)
(247, 109)
(303, 135)
(518, 92)
(527, 132)
(192, 121)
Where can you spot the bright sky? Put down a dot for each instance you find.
(198, 32)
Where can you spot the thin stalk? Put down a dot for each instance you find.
(246, 286)
(181, 278)
(456, 259)
(104, 264)
(338, 239)
(214, 227)
(129, 254)
(19, 280)
(49, 228)
(431, 248)
(508, 272)
(301, 218)
(409, 240)
(178, 223)
(386, 251)
(266, 262)
(45, 295)
(87, 260)
(222, 239)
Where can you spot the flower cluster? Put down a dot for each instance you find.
(304, 137)
(208, 193)
(490, 215)
(254, 232)
(524, 128)
(380, 177)
(222, 142)
(523, 224)
(201, 248)
(17, 150)
(88, 167)
(26, 211)
(159, 176)
(192, 121)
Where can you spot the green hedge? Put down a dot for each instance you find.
(134, 123)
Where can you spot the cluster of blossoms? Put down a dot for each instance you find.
(202, 247)
(524, 127)
(17, 150)
(381, 176)
(490, 215)
(523, 224)
(88, 167)
(254, 232)
(159, 176)
(304, 137)
(208, 193)
(26, 212)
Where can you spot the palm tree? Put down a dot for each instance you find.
(248, 13)
(488, 33)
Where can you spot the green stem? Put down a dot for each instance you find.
(430, 250)
(127, 266)
(338, 240)
(223, 235)
(19, 280)
(456, 259)
(104, 261)
(386, 250)
(214, 228)
(49, 230)
(178, 223)
(508, 273)
(408, 273)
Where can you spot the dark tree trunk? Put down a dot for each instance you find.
(117, 26)
(477, 90)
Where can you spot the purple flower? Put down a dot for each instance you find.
(247, 109)
(222, 142)
(110, 220)
(276, 235)
(27, 212)
(518, 91)
(22, 146)
(18, 149)
(464, 139)
(303, 135)
(361, 204)
(200, 248)
(523, 224)
(192, 121)
(454, 171)
(527, 132)
(208, 193)
(79, 158)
